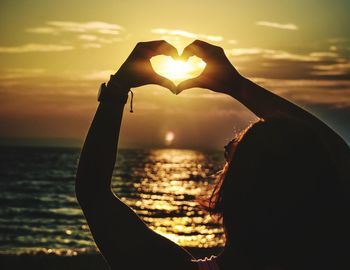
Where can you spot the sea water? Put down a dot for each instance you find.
(39, 211)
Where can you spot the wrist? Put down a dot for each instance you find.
(118, 84)
(236, 86)
(112, 93)
(242, 90)
(240, 84)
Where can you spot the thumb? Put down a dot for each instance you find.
(190, 83)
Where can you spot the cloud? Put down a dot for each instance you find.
(328, 84)
(182, 33)
(338, 40)
(244, 51)
(280, 64)
(94, 34)
(91, 46)
(98, 39)
(232, 41)
(42, 30)
(58, 27)
(281, 55)
(20, 73)
(333, 48)
(271, 54)
(332, 69)
(288, 26)
(73, 99)
(35, 47)
(324, 54)
(333, 93)
(88, 37)
(98, 75)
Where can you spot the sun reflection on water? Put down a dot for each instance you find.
(168, 187)
(40, 213)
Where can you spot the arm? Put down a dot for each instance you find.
(220, 76)
(265, 105)
(122, 237)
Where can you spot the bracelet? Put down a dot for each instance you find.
(111, 95)
(114, 84)
(114, 92)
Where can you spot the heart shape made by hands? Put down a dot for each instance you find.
(177, 70)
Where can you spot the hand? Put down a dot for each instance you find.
(137, 69)
(219, 75)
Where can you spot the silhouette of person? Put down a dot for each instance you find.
(283, 193)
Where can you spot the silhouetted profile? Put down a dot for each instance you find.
(283, 194)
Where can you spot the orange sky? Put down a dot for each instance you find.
(54, 55)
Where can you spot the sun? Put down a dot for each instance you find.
(169, 137)
(177, 70)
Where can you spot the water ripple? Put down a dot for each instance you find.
(40, 212)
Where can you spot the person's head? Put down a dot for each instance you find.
(279, 194)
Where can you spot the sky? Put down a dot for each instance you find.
(55, 54)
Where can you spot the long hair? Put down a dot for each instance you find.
(280, 197)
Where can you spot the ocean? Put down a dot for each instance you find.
(39, 213)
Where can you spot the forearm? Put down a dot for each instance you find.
(266, 104)
(98, 155)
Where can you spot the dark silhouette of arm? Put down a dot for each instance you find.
(266, 104)
(220, 76)
(123, 239)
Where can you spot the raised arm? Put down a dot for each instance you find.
(220, 76)
(123, 239)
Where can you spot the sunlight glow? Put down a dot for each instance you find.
(177, 70)
(169, 137)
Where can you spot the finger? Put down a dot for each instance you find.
(197, 48)
(160, 47)
(162, 81)
(190, 83)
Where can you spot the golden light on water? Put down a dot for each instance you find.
(169, 137)
(161, 185)
(177, 70)
(169, 185)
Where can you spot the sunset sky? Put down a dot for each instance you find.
(55, 54)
